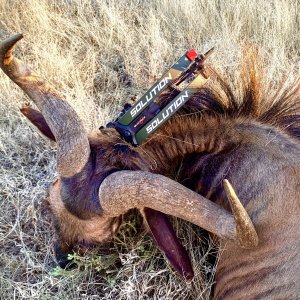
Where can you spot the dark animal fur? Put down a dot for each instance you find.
(249, 134)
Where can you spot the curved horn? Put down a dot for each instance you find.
(245, 230)
(73, 148)
(124, 190)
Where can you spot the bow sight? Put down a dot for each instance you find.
(140, 118)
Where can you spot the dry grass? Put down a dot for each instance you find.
(98, 53)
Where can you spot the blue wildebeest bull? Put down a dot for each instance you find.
(219, 140)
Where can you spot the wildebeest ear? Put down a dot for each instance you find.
(37, 119)
(166, 239)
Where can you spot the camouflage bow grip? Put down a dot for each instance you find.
(136, 122)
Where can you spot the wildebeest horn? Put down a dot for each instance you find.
(128, 189)
(73, 148)
(245, 230)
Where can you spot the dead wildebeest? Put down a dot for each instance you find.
(250, 140)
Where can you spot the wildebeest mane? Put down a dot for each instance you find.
(251, 97)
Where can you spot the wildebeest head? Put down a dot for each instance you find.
(91, 192)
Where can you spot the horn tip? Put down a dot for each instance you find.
(7, 46)
(246, 232)
(228, 186)
(11, 41)
(17, 36)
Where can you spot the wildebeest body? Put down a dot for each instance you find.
(249, 137)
